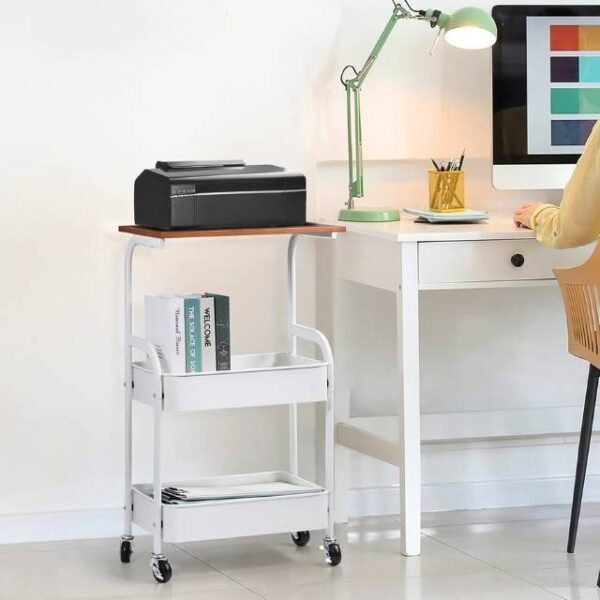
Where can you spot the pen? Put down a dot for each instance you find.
(437, 168)
(462, 158)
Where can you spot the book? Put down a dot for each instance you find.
(193, 350)
(463, 216)
(222, 331)
(165, 329)
(208, 342)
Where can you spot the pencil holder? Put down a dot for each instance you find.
(446, 191)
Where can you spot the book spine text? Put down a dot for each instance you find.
(193, 354)
(207, 310)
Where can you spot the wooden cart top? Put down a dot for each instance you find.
(308, 229)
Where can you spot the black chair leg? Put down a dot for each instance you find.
(585, 439)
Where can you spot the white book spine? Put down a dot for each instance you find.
(178, 312)
(165, 329)
(209, 350)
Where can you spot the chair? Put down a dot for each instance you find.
(580, 288)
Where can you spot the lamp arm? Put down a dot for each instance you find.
(353, 88)
(398, 13)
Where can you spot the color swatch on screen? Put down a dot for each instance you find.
(574, 37)
(575, 101)
(571, 132)
(563, 82)
(575, 69)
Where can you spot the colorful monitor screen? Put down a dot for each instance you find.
(546, 87)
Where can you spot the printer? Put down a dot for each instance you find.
(219, 194)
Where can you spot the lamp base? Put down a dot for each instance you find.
(373, 215)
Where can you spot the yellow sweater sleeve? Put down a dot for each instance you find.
(576, 221)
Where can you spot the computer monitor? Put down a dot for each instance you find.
(546, 92)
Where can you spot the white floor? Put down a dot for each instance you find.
(513, 554)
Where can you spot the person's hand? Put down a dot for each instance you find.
(522, 216)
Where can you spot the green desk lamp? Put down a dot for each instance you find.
(470, 28)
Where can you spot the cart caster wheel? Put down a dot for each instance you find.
(126, 550)
(301, 538)
(333, 554)
(161, 569)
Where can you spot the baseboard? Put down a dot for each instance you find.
(108, 522)
(64, 525)
(364, 502)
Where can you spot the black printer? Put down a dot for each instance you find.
(219, 194)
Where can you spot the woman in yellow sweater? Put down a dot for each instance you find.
(576, 221)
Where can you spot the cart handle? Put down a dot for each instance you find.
(150, 350)
(314, 335)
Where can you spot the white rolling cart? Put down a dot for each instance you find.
(254, 380)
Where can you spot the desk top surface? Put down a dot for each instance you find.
(498, 227)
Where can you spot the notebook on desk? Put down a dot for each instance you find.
(430, 216)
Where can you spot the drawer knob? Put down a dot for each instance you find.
(517, 260)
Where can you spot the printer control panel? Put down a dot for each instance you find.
(183, 189)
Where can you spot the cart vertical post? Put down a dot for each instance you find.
(330, 443)
(292, 318)
(127, 317)
(157, 491)
(129, 342)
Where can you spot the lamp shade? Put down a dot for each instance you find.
(471, 28)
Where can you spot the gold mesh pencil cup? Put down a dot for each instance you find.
(446, 191)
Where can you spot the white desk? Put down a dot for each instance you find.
(407, 258)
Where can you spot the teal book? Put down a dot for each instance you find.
(193, 354)
(222, 331)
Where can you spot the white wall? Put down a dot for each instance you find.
(501, 350)
(93, 93)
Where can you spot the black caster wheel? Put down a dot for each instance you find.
(301, 538)
(126, 550)
(333, 554)
(161, 569)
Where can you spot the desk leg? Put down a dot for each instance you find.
(409, 413)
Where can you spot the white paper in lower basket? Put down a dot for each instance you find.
(221, 492)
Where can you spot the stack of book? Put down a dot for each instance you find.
(190, 333)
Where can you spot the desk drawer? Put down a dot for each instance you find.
(493, 260)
